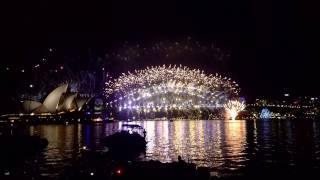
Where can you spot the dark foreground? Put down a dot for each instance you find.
(15, 151)
(119, 162)
(93, 165)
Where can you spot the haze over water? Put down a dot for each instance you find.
(226, 147)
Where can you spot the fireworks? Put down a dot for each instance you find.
(232, 108)
(82, 82)
(138, 54)
(166, 49)
(164, 88)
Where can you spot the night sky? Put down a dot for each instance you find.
(273, 44)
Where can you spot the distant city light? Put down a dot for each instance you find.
(31, 86)
(286, 95)
(99, 119)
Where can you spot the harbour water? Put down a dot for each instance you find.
(228, 148)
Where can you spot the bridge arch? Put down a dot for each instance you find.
(161, 89)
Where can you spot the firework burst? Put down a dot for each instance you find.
(164, 88)
(233, 107)
(138, 54)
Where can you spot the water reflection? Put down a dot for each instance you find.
(235, 139)
(206, 143)
(225, 146)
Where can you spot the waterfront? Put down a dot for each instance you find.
(229, 148)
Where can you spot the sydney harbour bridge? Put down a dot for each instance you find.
(172, 92)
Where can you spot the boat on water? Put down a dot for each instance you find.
(128, 143)
(132, 126)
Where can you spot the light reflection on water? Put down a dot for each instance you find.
(206, 143)
(224, 146)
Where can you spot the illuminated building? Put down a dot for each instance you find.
(265, 113)
(59, 100)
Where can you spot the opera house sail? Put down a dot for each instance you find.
(58, 100)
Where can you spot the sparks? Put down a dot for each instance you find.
(163, 88)
(233, 107)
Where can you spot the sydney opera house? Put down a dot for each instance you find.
(58, 101)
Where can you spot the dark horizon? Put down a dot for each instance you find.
(272, 45)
